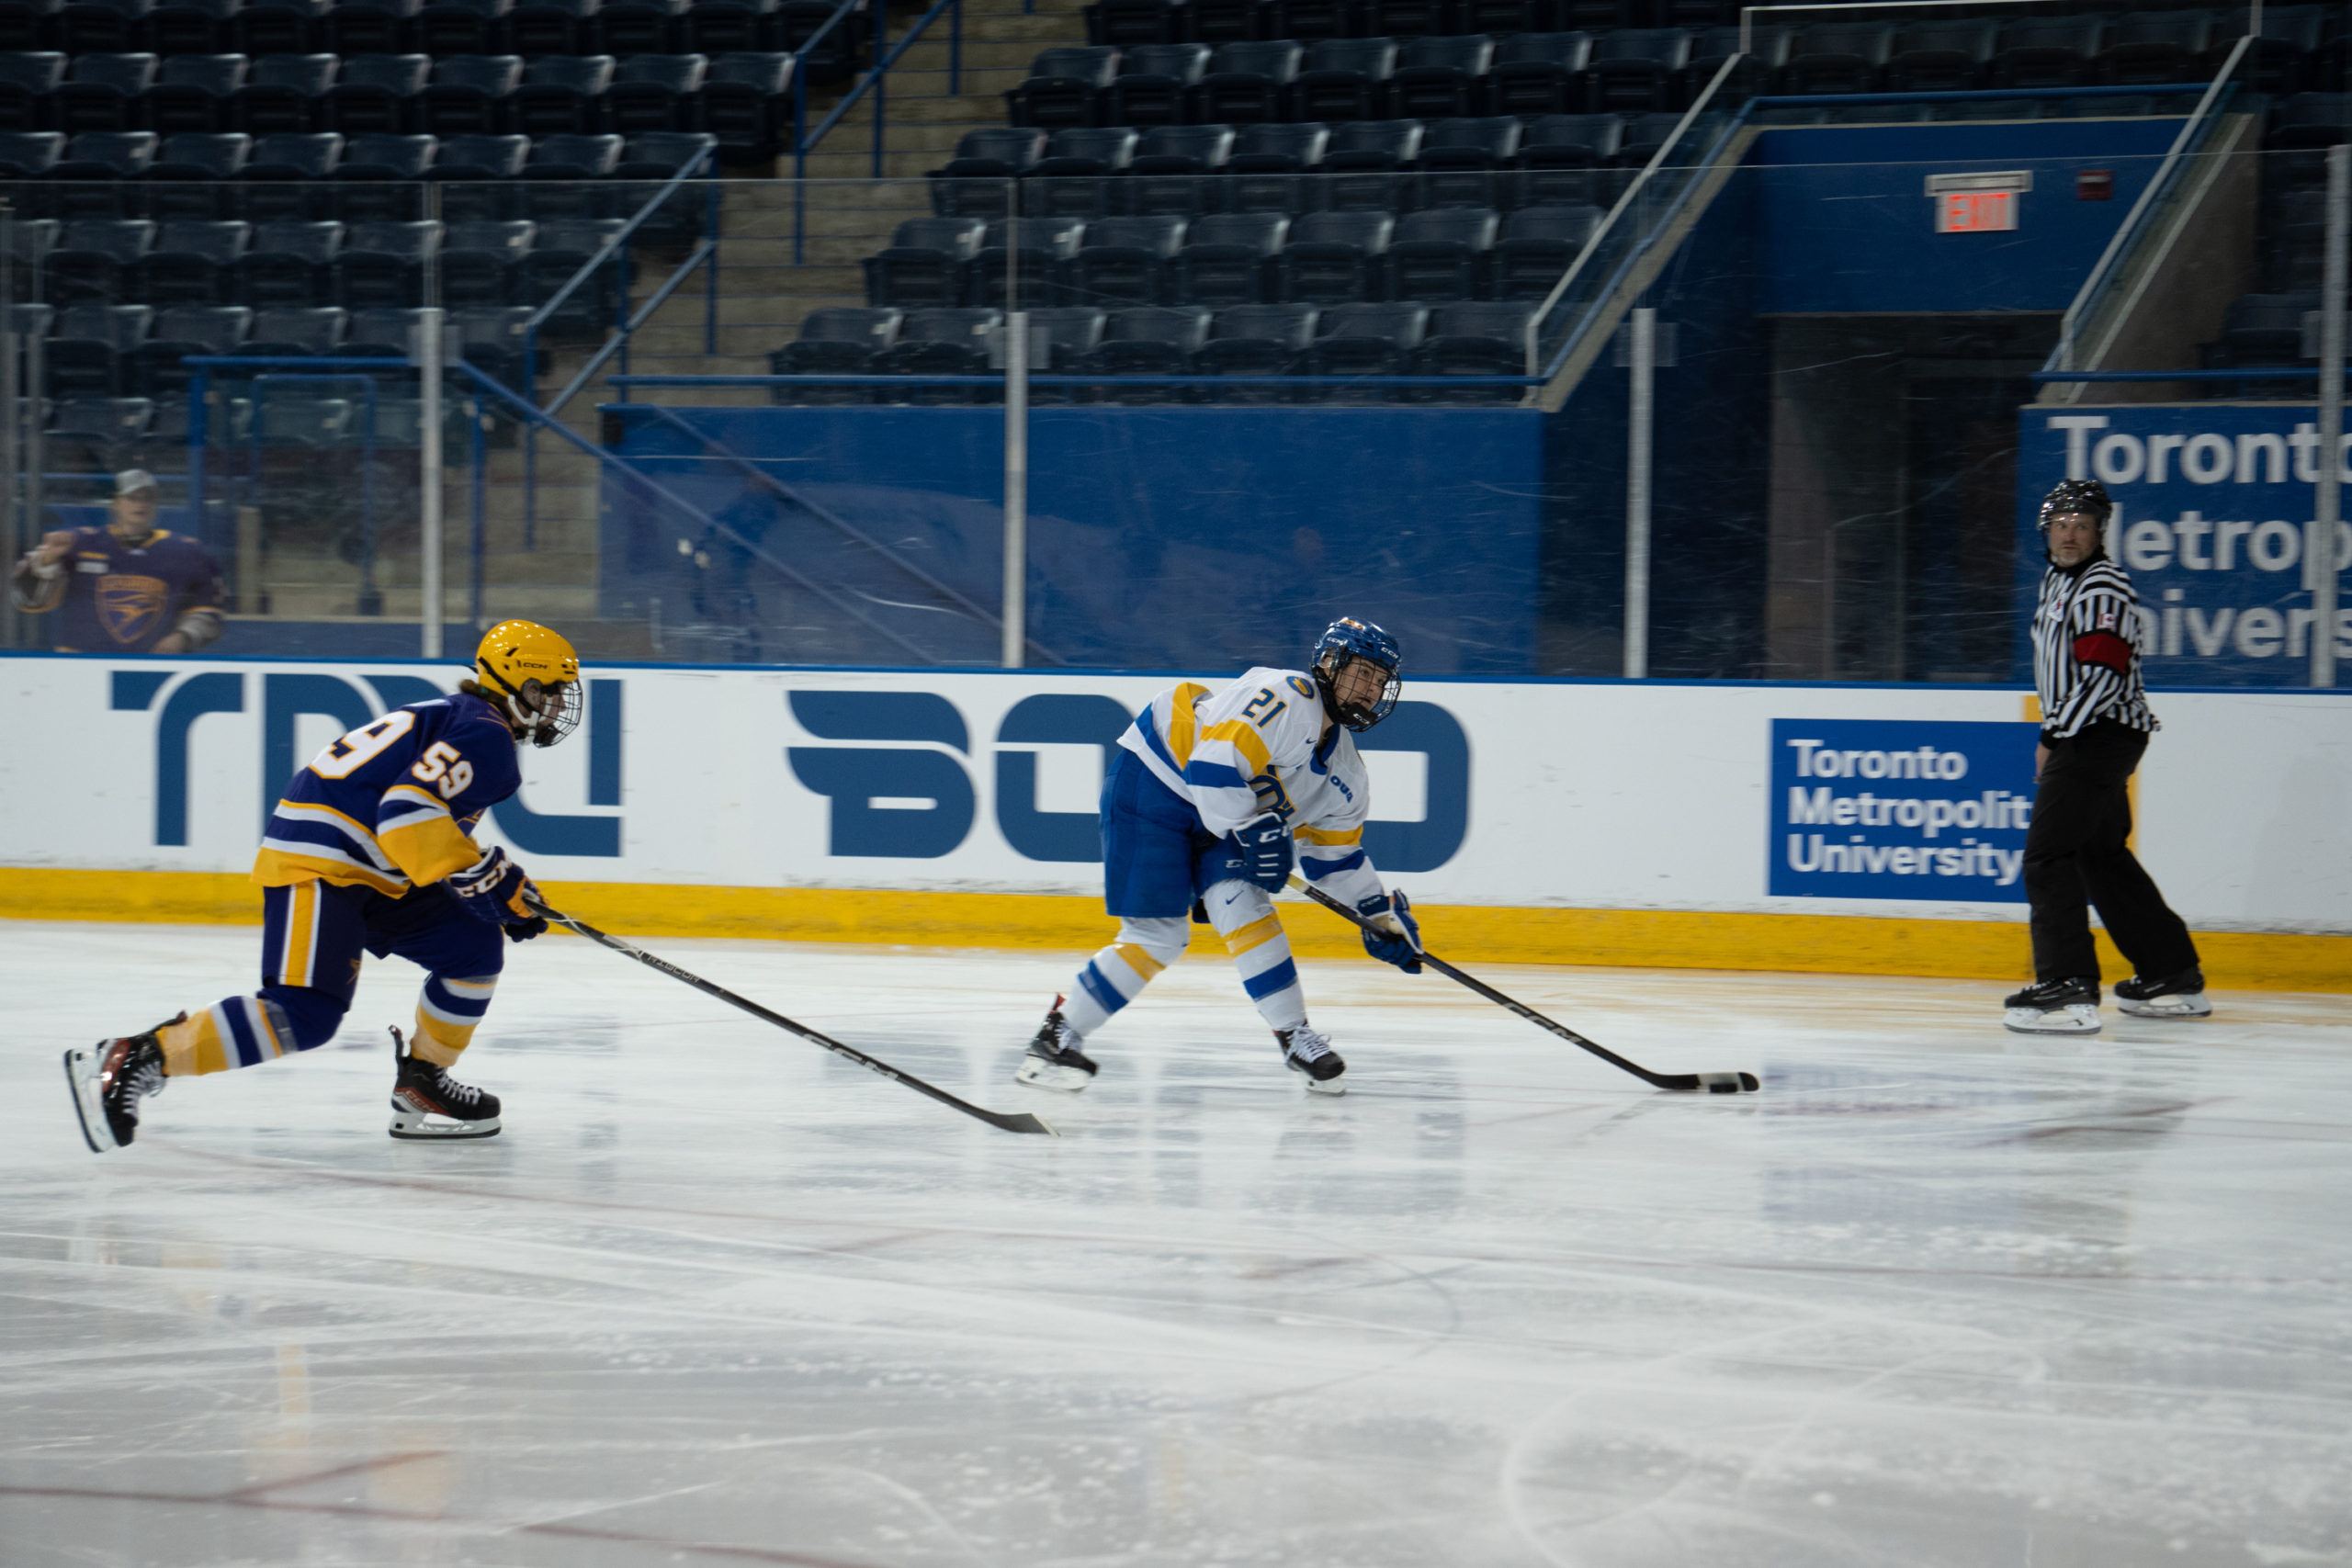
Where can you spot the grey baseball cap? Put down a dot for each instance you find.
(133, 481)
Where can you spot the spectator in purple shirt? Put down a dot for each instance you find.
(128, 587)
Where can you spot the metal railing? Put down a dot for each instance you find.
(2107, 269)
(804, 141)
(1625, 203)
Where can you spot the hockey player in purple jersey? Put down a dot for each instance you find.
(371, 851)
(1211, 799)
(128, 587)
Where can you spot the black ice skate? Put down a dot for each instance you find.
(2053, 1006)
(2175, 996)
(1053, 1060)
(1308, 1050)
(428, 1103)
(109, 1079)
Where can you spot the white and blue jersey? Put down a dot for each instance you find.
(1210, 750)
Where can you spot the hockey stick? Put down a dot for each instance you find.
(1687, 1083)
(1018, 1121)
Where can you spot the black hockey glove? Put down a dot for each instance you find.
(524, 931)
(1403, 951)
(1262, 846)
(492, 890)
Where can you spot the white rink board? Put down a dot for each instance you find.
(1600, 795)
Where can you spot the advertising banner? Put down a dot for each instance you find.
(1901, 810)
(2213, 521)
(1601, 794)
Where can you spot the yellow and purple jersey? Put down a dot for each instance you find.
(127, 598)
(393, 805)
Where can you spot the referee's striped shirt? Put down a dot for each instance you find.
(2087, 650)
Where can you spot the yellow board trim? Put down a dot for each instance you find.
(1658, 938)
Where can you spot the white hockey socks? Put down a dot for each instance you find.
(1117, 975)
(1245, 916)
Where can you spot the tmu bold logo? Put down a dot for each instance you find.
(908, 791)
(1898, 809)
(286, 697)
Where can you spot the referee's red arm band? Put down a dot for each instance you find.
(2104, 649)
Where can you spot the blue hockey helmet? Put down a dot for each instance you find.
(1343, 642)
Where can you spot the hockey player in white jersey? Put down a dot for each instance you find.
(1212, 798)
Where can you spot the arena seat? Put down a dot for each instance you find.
(1635, 69)
(836, 340)
(558, 251)
(746, 104)
(940, 342)
(1941, 57)
(288, 264)
(1537, 246)
(713, 27)
(1307, 20)
(283, 175)
(1483, 339)
(1062, 87)
(1149, 340)
(1179, 169)
(447, 27)
(568, 176)
(368, 26)
(924, 264)
(291, 333)
(2152, 48)
(27, 78)
(836, 57)
(560, 95)
(375, 94)
(1344, 79)
(191, 176)
(1061, 339)
(262, 27)
(193, 262)
(101, 27)
(1439, 77)
(1837, 57)
(1440, 256)
(658, 156)
(96, 258)
(103, 429)
(101, 92)
(1154, 83)
(1078, 175)
(1334, 259)
(1246, 82)
(155, 369)
(88, 350)
(1227, 259)
(194, 92)
(191, 27)
(495, 340)
(381, 265)
(1355, 340)
(1214, 22)
(976, 182)
(1047, 248)
(481, 171)
(480, 259)
(1536, 74)
(538, 28)
(2045, 51)
(469, 95)
(376, 180)
(281, 94)
(1461, 161)
(653, 91)
(1270, 160)
(1124, 261)
(1257, 340)
(1363, 163)
(1125, 24)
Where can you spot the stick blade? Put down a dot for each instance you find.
(1020, 1121)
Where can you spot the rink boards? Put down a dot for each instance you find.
(1865, 829)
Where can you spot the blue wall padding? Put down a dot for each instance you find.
(1846, 224)
(1174, 537)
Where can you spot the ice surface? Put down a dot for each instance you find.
(1938, 1296)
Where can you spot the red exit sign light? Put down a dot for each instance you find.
(1978, 203)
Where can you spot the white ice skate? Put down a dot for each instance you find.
(1053, 1060)
(2053, 1006)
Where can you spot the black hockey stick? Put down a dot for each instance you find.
(1018, 1121)
(1687, 1083)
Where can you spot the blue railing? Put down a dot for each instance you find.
(804, 141)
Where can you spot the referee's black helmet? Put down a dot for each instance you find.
(2085, 496)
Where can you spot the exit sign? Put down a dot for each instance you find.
(1978, 203)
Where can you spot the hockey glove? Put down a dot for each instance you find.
(1262, 846)
(1400, 944)
(492, 890)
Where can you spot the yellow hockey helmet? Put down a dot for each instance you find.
(534, 675)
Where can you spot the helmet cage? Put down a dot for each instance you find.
(1343, 644)
(545, 711)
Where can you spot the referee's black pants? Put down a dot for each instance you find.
(2077, 857)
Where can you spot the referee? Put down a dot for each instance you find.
(2095, 725)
